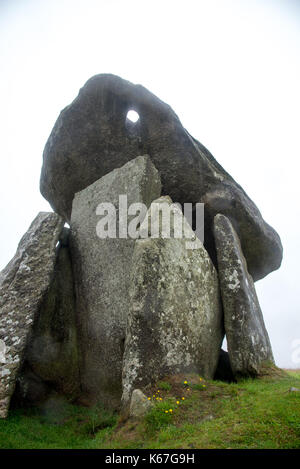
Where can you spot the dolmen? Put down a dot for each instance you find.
(146, 263)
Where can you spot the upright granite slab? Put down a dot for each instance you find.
(102, 272)
(247, 338)
(175, 318)
(23, 284)
(52, 352)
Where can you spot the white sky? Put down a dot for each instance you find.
(230, 69)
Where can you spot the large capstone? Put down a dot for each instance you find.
(247, 338)
(23, 284)
(102, 267)
(92, 136)
(174, 322)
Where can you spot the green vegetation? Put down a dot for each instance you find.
(164, 385)
(188, 412)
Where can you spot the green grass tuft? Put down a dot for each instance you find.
(164, 385)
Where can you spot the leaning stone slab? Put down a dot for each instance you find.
(23, 284)
(52, 352)
(247, 338)
(175, 319)
(102, 273)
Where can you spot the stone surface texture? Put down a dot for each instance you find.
(92, 136)
(102, 272)
(23, 284)
(174, 322)
(139, 404)
(247, 338)
(52, 352)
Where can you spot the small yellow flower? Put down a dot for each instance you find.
(182, 398)
(171, 410)
(188, 389)
(166, 411)
(158, 390)
(177, 402)
(160, 398)
(185, 382)
(149, 398)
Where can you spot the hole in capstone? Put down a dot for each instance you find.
(132, 116)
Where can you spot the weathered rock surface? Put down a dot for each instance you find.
(261, 247)
(139, 404)
(102, 268)
(52, 352)
(23, 284)
(92, 137)
(247, 338)
(30, 390)
(175, 319)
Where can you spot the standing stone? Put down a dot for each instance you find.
(52, 352)
(175, 317)
(247, 338)
(23, 283)
(102, 272)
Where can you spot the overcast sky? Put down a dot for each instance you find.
(229, 69)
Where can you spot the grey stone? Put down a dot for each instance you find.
(247, 338)
(260, 243)
(139, 404)
(52, 352)
(30, 390)
(2, 352)
(174, 322)
(292, 389)
(102, 268)
(23, 284)
(92, 136)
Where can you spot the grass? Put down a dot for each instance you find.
(259, 413)
(58, 425)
